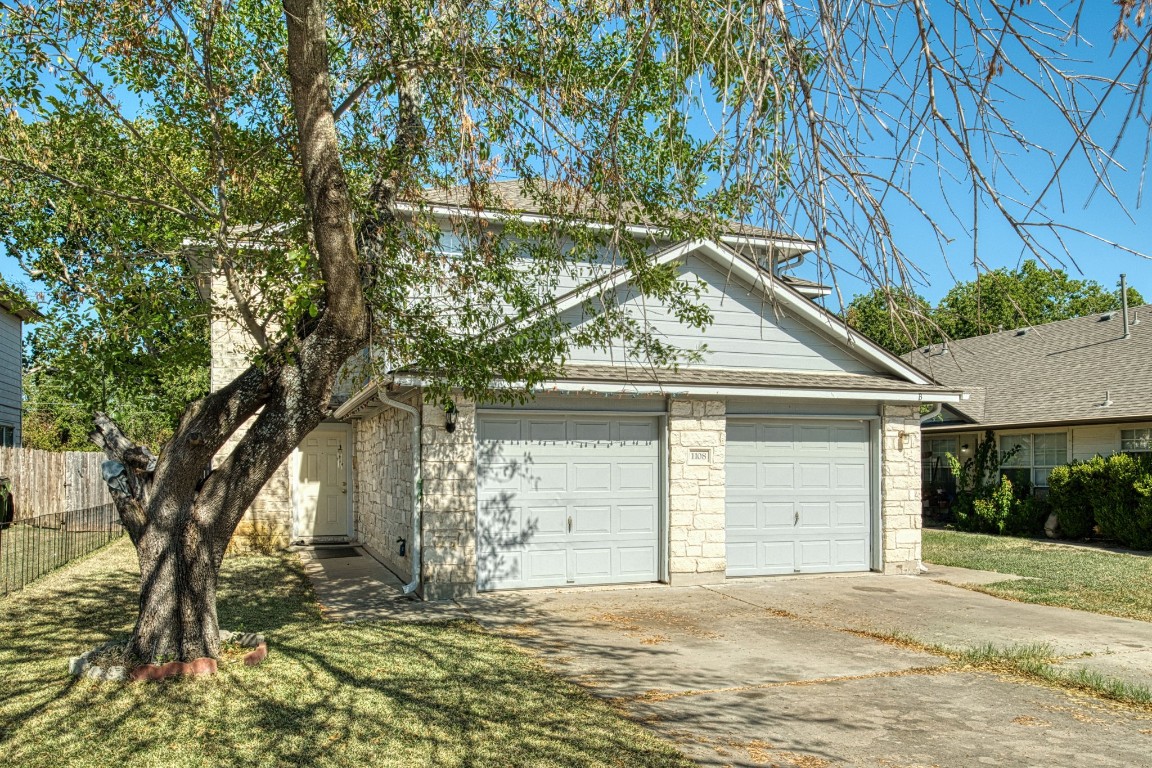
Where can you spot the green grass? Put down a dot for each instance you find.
(28, 552)
(1085, 579)
(329, 694)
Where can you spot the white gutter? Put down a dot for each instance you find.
(932, 413)
(417, 481)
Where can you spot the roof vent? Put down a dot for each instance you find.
(1107, 316)
(1021, 331)
(1107, 399)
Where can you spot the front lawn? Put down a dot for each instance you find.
(1072, 577)
(328, 695)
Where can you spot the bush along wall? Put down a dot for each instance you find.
(1112, 494)
(988, 502)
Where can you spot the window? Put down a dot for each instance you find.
(1037, 456)
(7, 436)
(1136, 440)
(935, 469)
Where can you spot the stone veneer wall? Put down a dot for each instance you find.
(448, 468)
(900, 488)
(268, 522)
(383, 484)
(696, 491)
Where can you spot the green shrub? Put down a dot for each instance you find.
(991, 514)
(1028, 516)
(1122, 503)
(1071, 488)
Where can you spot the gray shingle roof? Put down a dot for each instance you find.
(1050, 374)
(716, 377)
(514, 196)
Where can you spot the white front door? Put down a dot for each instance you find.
(798, 497)
(321, 495)
(567, 499)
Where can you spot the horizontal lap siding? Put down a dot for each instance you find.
(746, 331)
(10, 371)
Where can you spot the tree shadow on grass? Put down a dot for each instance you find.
(329, 694)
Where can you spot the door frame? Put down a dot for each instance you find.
(875, 477)
(662, 500)
(346, 431)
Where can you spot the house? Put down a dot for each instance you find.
(791, 446)
(1066, 390)
(15, 309)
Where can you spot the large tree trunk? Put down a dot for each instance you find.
(178, 575)
(181, 519)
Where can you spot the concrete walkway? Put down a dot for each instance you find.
(359, 588)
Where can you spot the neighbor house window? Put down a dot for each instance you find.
(1039, 453)
(935, 469)
(1136, 440)
(7, 436)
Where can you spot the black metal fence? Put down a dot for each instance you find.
(31, 548)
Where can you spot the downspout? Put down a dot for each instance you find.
(417, 480)
(936, 409)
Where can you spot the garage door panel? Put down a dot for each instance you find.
(600, 473)
(814, 514)
(550, 430)
(637, 518)
(592, 562)
(591, 477)
(778, 476)
(591, 520)
(778, 514)
(815, 476)
(591, 430)
(814, 553)
(637, 561)
(851, 514)
(546, 565)
(776, 557)
(741, 474)
(546, 521)
(742, 515)
(546, 478)
(634, 476)
(812, 496)
(850, 477)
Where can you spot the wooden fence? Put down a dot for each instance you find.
(44, 482)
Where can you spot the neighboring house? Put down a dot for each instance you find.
(792, 447)
(14, 310)
(1060, 391)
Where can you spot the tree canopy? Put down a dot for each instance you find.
(1000, 299)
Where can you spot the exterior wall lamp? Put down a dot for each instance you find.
(450, 418)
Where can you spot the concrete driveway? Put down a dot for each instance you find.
(788, 672)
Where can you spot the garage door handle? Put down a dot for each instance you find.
(796, 519)
(569, 523)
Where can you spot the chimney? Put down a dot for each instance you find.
(1124, 303)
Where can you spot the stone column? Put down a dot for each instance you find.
(696, 496)
(448, 467)
(900, 488)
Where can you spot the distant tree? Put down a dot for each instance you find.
(897, 320)
(1030, 295)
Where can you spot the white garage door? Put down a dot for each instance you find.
(567, 499)
(798, 497)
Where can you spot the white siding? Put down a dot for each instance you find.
(10, 348)
(747, 332)
(1102, 439)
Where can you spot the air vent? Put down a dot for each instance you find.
(1107, 316)
(1022, 332)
